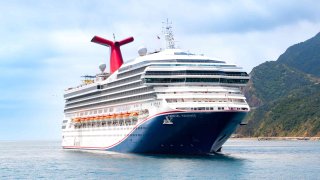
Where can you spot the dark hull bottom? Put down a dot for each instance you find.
(182, 133)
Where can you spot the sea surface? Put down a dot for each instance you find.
(240, 159)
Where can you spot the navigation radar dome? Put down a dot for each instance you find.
(142, 51)
(102, 67)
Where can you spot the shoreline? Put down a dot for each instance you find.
(279, 138)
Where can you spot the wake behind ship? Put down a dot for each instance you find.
(169, 102)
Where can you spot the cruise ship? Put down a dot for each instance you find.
(165, 102)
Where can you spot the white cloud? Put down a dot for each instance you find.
(250, 49)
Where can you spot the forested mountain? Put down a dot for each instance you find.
(285, 94)
(304, 56)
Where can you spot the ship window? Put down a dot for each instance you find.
(99, 86)
(195, 72)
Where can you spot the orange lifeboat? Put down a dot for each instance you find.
(113, 116)
(119, 116)
(126, 115)
(77, 120)
(91, 118)
(135, 113)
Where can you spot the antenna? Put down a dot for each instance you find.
(168, 34)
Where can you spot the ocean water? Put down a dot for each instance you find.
(241, 159)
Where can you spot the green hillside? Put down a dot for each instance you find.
(273, 80)
(304, 56)
(285, 94)
(296, 114)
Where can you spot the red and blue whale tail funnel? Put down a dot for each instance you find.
(115, 54)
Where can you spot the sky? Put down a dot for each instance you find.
(45, 45)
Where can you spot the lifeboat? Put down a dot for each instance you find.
(113, 116)
(119, 116)
(133, 115)
(107, 117)
(126, 115)
(77, 120)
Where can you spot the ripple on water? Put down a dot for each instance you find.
(241, 159)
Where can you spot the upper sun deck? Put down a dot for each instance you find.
(170, 54)
(176, 57)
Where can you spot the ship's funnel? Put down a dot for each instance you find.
(115, 54)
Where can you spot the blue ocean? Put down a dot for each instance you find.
(240, 159)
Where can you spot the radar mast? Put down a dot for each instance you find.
(168, 34)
